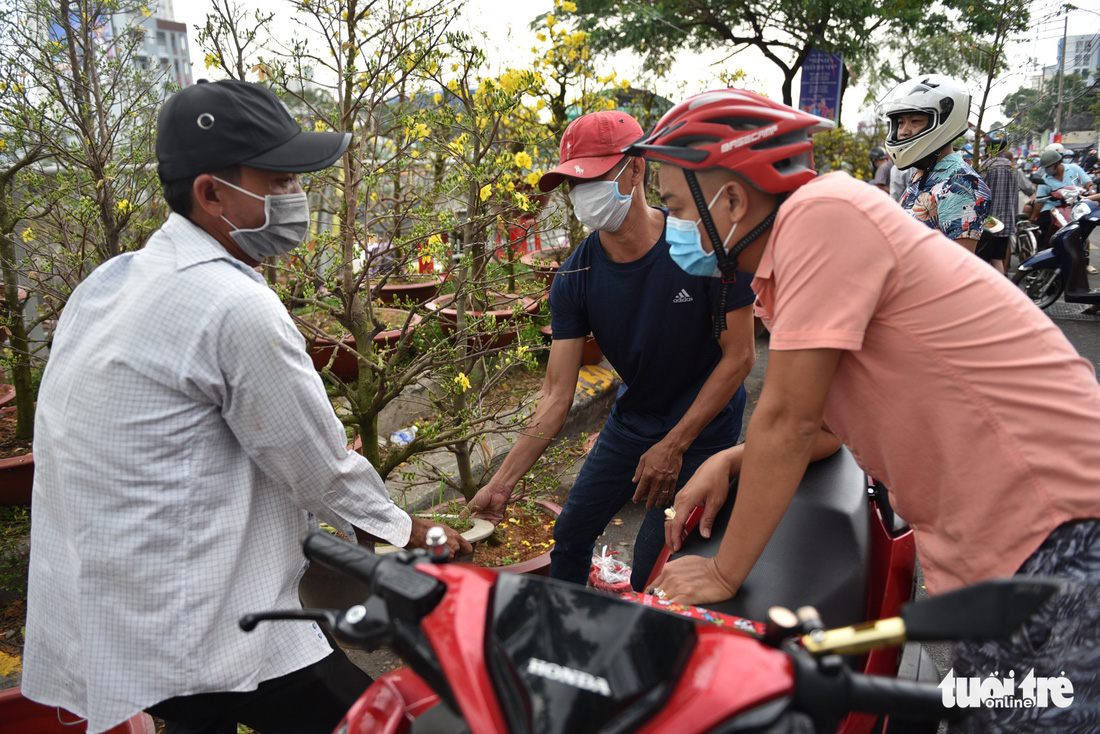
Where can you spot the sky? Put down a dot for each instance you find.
(506, 23)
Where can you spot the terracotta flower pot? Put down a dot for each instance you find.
(346, 364)
(502, 314)
(592, 353)
(7, 393)
(546, 262)
(16, 475)
(417, 289)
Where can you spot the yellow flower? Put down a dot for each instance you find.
(541, 37)
(568, 6)
(550, 21)
(28, 234)
(523, 159)
(533, 178)
(486, 191)
(145, 11)
(211, 60)
(123, 206)
(463, 381)
(437, 98)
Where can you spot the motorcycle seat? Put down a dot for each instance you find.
(819, 554)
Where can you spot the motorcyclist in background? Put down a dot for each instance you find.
(1056, 175)
(926, 115)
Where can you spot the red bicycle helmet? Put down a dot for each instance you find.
(765, 141)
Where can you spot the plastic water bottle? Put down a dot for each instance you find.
(403, 436)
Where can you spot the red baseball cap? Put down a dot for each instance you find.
(591, 145)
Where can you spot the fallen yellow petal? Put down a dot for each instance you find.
(10, 664)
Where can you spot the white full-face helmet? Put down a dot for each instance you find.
(946, 102)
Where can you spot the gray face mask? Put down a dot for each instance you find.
(286, 223)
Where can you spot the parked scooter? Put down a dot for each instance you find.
(492, 653)
(841, 548)
(1063, 267)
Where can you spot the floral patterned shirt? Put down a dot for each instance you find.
(954, 199)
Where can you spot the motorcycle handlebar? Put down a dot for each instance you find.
(899, 698)
(341, 556)
(408, 594)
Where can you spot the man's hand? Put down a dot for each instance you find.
(456, 544)
(656, 475)
(488, 503)
(707, 488)
(693, 580)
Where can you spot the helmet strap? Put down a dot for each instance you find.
(727, 260)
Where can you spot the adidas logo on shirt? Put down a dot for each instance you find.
(683, 297)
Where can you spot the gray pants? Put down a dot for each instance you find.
(1061, 639)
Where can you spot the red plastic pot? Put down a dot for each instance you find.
(19, 715)
(16, 475)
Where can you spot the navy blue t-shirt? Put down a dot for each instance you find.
(653, 322)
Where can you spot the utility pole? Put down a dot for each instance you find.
(1061, 71)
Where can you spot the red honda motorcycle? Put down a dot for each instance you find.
(492, 653)
(840, 548)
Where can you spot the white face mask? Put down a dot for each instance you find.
(598, 205)
(286, 223)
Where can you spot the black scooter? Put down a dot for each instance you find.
(1062, 268)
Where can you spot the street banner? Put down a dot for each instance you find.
(822, 74)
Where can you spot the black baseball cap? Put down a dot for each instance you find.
(215, 125)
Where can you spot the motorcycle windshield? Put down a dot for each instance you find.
(564, 659)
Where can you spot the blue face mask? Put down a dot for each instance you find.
(685, 245)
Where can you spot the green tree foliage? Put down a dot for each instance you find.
(1030, 109)
(784, 32)
(78, 173)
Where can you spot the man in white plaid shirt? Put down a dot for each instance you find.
(184, 445)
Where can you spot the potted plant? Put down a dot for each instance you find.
(331, 347)
(16, 462)
(493, 328)
(546, 263)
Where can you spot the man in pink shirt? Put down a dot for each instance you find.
(941, 378)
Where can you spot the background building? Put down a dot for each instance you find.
(166, 44)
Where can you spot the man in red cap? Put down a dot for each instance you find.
(682, 397)
(183, 446)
